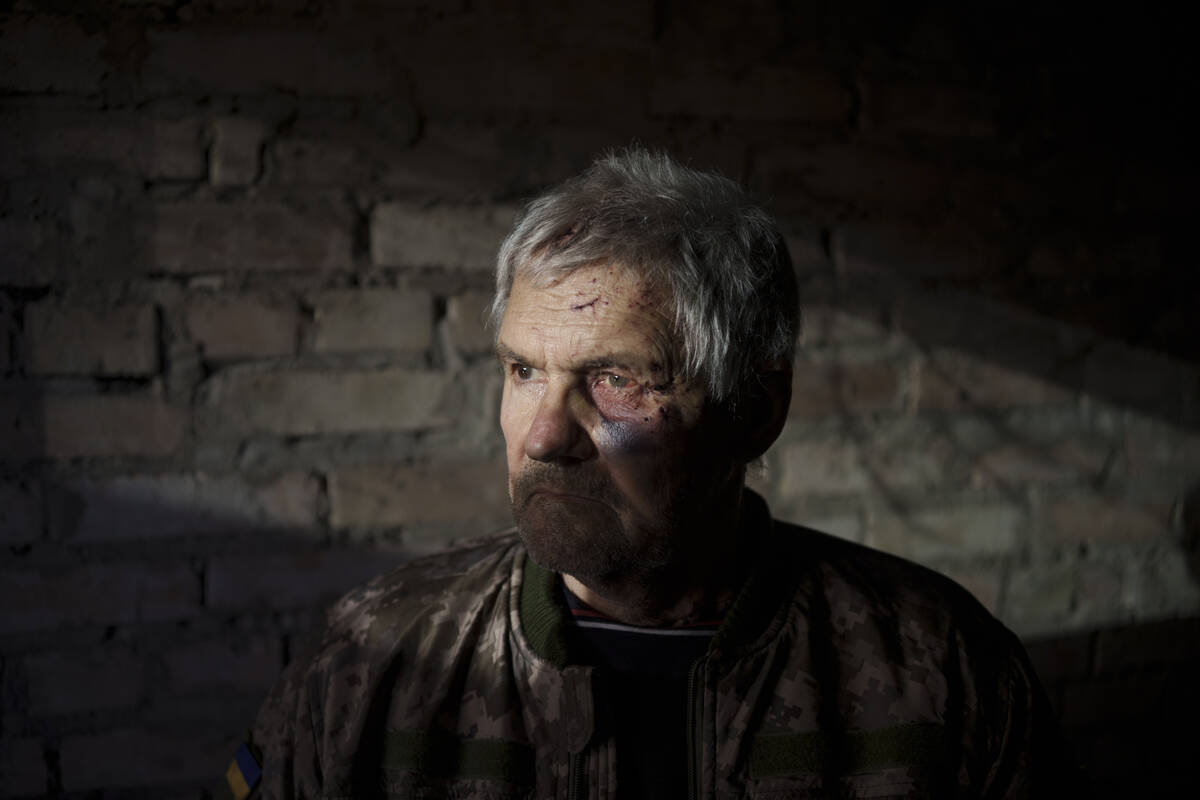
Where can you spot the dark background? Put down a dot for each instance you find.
(245, 250)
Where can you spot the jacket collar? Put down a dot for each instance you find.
(544, 619)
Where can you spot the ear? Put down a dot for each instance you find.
(764, 408)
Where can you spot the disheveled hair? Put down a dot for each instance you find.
(698, 234)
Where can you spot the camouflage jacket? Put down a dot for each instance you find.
(838, 672)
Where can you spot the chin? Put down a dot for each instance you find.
(590, 542)
(575, 539)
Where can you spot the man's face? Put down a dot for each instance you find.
(612, 460)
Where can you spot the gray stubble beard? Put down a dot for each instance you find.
(586, 540)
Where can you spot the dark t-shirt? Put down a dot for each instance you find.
(641, 689)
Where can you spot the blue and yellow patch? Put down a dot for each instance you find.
(243, 773)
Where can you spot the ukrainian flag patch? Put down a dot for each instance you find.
(243, 773)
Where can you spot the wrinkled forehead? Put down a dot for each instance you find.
(616, 285)
(609, 301)
(547, 271)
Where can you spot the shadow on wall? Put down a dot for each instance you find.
(1071, 357)
(139, 636)
(1128, 699)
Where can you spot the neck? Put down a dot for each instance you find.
(634, 606)
(702, 588)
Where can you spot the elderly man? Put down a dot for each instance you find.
(648, 630)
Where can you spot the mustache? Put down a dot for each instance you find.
(541, 476)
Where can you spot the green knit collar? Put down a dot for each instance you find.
(544, 614)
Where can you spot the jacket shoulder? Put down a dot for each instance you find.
(392, 640)
(886, 585)
(471, 569)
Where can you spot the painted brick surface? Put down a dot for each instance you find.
(839, 178)
(462, 162)
(1068, 461)
(7, 333)
(110, 425)
(289, 581)
(1162, 586)
(824, 326)
(73, 681)
(47, 137)
(892, 455)
(77, 341)
(329, 402)
(96, 594)
(33, 256)
(811, 95)
(208, 236)
(1135, 377)
(24, 44)
(950, 381)
(20, 419)
(60, 224)
(1108, 519)
(364, 146)
(165, 757)
(1041, 598)
(264, 60)
(250, 663)
(382, 496)
(164, 506)
(465, 86)
(377, 319)
(461, 237)
(236, 327)
(846, 388)
(928, 536)
(21, 511)
(234, 156)
(823, 466)
(466, 316)
(893, 106)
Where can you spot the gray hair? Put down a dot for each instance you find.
(721, 257)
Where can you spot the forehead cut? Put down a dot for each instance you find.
(621, 317)
(629, 281)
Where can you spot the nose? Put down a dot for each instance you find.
(555, 434)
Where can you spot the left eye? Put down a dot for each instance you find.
(616, 381)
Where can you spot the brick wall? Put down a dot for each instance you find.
(244, 258)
